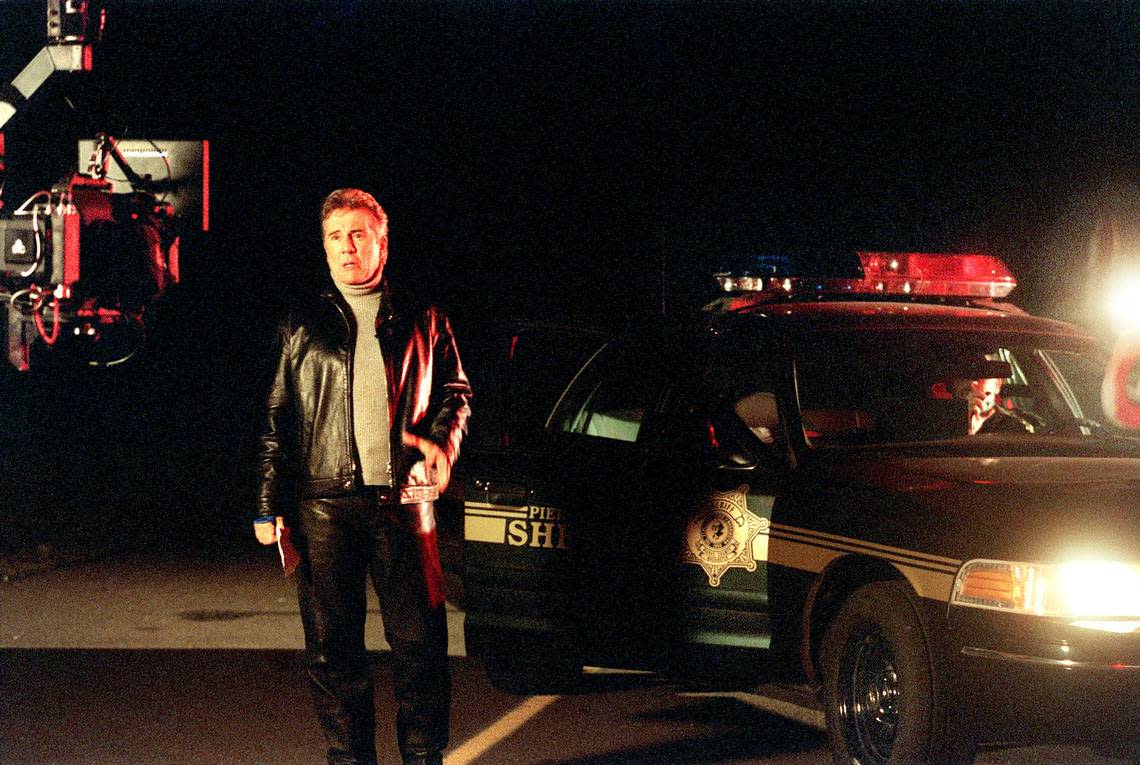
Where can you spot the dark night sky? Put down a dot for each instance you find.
(557, 152)
(545, 159)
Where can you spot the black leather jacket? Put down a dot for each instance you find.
(307, 446)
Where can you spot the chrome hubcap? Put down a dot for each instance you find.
(870, 698)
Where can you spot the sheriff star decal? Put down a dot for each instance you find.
(719, 535)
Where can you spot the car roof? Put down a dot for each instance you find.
(884, 315)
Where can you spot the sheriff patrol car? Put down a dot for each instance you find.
(896, 488)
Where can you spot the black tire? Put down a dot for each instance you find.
(881, 690)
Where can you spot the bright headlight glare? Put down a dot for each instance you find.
(1121, 300)
(1076, 590)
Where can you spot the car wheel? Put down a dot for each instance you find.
(880, 687)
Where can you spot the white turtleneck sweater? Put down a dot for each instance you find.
(370, 422)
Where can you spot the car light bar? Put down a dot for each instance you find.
(785, 285)
(894, 273)
(928, 273)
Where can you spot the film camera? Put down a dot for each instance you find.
(82, 262)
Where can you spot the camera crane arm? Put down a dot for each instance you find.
(68, 50)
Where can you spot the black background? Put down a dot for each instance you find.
(567, 161)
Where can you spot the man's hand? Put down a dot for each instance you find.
(433, 457)
(266, 533)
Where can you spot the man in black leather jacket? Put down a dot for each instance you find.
(364, 419)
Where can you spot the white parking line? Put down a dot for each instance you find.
(813, 718)
(588, 670)
(476, 747)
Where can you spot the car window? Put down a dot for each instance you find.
(518, 370)
(608, 398)
(539, 365)
(1083, 376)
(896, 387)
(736, 400)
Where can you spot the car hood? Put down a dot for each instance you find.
(1009, 507)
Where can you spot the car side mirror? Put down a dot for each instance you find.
(760, 414)
(1120, 389)
(743, 436)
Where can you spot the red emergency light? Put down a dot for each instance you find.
(943, 274)
(912, 274)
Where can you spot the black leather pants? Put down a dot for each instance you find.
(342, 541)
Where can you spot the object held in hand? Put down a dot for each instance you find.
(290, 558)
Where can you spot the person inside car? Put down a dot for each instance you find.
(986, 411)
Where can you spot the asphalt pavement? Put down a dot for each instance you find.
(168, 601)
(183, 659)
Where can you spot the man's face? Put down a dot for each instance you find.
(983, 395)
(356, 246)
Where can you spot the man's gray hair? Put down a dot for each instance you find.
(353, 199)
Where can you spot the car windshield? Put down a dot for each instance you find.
(904, 387)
